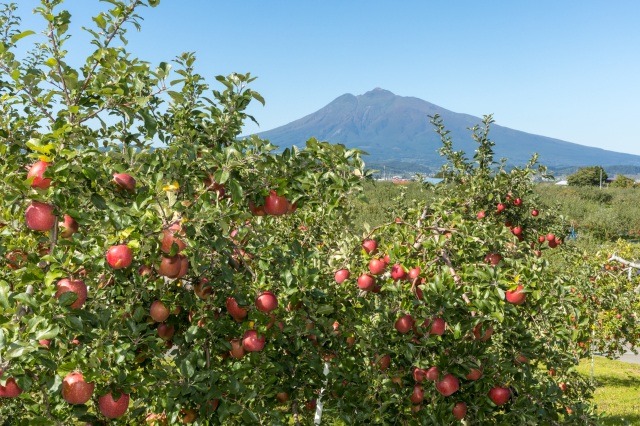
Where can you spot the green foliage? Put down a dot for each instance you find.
(588, 176)
(622, 181)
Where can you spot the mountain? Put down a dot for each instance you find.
(395, 131)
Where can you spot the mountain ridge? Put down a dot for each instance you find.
(396, 129)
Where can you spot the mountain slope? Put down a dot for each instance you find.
(396, 129)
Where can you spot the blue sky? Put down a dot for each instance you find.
(566, 69)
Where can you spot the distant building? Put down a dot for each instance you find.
(562, 182)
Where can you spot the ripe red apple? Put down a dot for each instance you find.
(534, 212)
(124, 181)
(75, 390)
(113, 408)
(404, 324)
(184, 266)
(553, 243)
(414, 273)
(499, 395)
(521, 359)
(169, 238)
(438, 326)
(366, 282)
(275, 205)
(158, 311)
(517, 296)
(165, 331)
(551, 237)
(36, 172)
(342, 275)
(398, 272)
(541, 239)
(479, 335)
(500, 207)
(377, 266)
(39, 216)
(474, 374)
(386, 259)
(68, 227)
(516, 230)
(493, 258)
(383, 362)
(266, 302)
(252, 342)
(237, 351)
(369, 246)
(282, 397)
(10, 389)
(459, 410)
(256, 210)
(563, 386)
(202, 289)
(481, 214)
(188, 416)
(419, 375)
(417, 396)
(76, 286)
(433, 373)
(517, 202)
(119, 256)
(448, 385)
(45, 343)
(170, 266)
(235, 310)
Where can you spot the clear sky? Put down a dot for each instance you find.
(566, 69)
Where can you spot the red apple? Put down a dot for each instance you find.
(158, 311)
(541, 239)
(517, 296)
(474, 374)
(419, 375)
(252, 342)
(256, 210)
(417, 396)
(404, 324)
(119, 256)
(414, 273)
(170, 267)
(342, 275)
(493, 259)
(75, 390)
(398, 272)
(563, 386)
(169, 238)
(36, 173)
(369, 246)
(481, 214)
(184, 266)
(266, 302)
(366, 282)
(516, 230)
(10, 388)
(39, 216)
(433, 373)
(202, 289)
(500, 207)
(124, 181)
(189, 415)
(282, 397)
(113, 408)
(68, 227)
(275, 205)
(517, 202)
(45, 343)
(438, 326)
(553, 243)
(479, 335)
(237, 351)
(499, 395)
(386, 259)
(448, 385)
(165, 331)
(459, 410)
(551, 237)
(377, 266)
(534, 212)
(235, 310)
(383, 362)
(76, 286)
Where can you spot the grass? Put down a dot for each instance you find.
(617, 393)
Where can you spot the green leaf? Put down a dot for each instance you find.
(325, 310)
(49, 333)
(21, 35)
(4, 289)
(98, 201)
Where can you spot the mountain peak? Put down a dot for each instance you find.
(378, 92)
